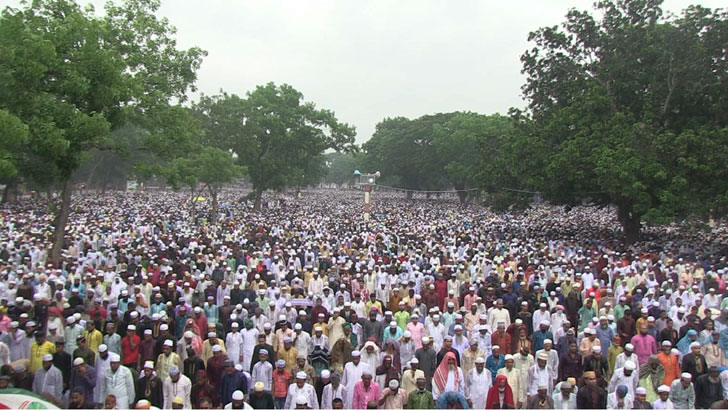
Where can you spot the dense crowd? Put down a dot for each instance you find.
(305, 305)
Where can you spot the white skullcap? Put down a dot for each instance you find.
(103, 348)
(629, 365)
(301, 400)
(596, 349)
(217, 348)
(663, 389)
(78, 361)
(169, 343)
(629, 347)
(640, 390)
(238, 395)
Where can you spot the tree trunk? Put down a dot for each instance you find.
(59, 232)
(213, 206)
(258, 200)
(461, 193)
(10, 190)
(630, 221)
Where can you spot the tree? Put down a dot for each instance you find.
(629, 110)
(403, 151)
(278, 138)
(73, 77)
(468, 143)
(340, 167)
(14, 134)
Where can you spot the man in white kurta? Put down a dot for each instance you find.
(250, 339)
(333, 390)
(477, 384)
(48, 380)
(352, 374)
(301, 388)
(263, 371)
(234, 344)
(540, 374)
(625, 376)
(119, 382)
(177, 385)
(103, 363)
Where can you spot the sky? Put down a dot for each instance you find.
(369, 60)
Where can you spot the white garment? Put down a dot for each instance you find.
(329, 394)
(183, 389)
(619, 378)
(613, 402)
(477, 386)
(306, 391)
(121, 384)
(663, 405)
(101, 367)
(352, 374)
(234, 346)
(450, 384)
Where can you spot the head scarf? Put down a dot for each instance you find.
(493, 398)
(442, 371)
(655, 374)
(390, 373)
(684, 344)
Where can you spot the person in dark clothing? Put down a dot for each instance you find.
(262, 345)
(231, 380)
(596, 362)
(428, 360)
(447, 348)
(78, 400)
(570, 363)
(372, 327)
(202, 388)
(149, 387)
(591, 396)
(63, 362)
(22, 378)
(694, 362)
(259, 398)
(192, 365)
(83, 377)
(708, 389)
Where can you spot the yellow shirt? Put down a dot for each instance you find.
(94, 339)
(289, 356)
(37, 353)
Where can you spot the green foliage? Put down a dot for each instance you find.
(340, 167)
(73, 77)
(628, 110)
(275, 134)
(13, 134)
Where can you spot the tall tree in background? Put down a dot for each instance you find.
(278, 137)
(629, 110)
(340, 167)
(72, 77)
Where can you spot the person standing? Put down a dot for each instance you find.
(48, 380)
(177, 385)
(118, 382)
(591, 396)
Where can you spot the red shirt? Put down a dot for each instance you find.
(280, 383)
(129, 356)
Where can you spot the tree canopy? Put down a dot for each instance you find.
(72, 77)
(630, 110)
(277, 136)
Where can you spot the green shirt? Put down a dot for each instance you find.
(420, 400)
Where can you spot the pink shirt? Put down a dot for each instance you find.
(362, 396)
(644, 346)
(417, 330)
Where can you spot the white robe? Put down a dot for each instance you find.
(250, 339)
(329, 394)
(352, 374)
(101, 367)
(306, 391)
(477, 386)
(234, 346)
(120, 384)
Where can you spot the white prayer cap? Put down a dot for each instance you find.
(629, 365)
(663, 389)
(238, 395)
(217, 348)
(629, 347)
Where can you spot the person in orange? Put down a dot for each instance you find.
(669, 362)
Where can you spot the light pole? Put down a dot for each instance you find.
(368, 180)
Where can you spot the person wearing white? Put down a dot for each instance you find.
(250, 339)
(102, 363)
(330, 392)
(626, 376)
(301, 340)
(119, 382)
(540, 374)
(477, 384)
(48, 380)
(234, 344)
(515, 379)
(625, 356)
(263, 371)
(301, 388)
(238, 396)
(663, 403)
(613, 402)
(176, 385)
(352, 374)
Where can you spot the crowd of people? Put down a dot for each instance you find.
(306, 305)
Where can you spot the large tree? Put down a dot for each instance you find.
(277, 136)
(629, 109)
(72, 77)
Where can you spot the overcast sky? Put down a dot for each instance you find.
(367, 60)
